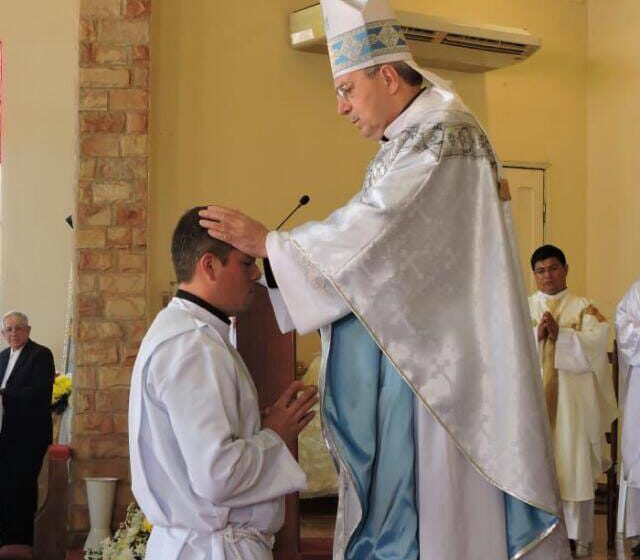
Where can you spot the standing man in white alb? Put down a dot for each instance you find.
(572, 339)
(431, 400)
(628, 337)
(208, 473)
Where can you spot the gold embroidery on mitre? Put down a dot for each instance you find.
(503, 189)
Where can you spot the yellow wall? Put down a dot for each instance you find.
(40, 113)
(241, 119)
(613, 194)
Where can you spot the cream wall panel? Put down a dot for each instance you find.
(39, 171)
(240, 118)
(613, 230)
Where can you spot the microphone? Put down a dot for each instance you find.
(304, 199)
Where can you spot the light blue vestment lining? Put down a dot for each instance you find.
(368, 410)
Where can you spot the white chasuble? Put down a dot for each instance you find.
(628, 338)
(206, 476)
(424, 256)
(586, 403)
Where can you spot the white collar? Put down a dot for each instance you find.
(400, 122)
(17, 351)
(547, 297)
(202, 316)
(430, 99)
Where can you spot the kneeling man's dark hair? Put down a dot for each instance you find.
(190, 241)
(547, 252)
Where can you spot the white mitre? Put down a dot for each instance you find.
(364, 33)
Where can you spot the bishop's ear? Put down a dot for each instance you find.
(390, 76)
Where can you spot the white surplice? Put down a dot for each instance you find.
(628, 338)
(207, 477)
(586, 403)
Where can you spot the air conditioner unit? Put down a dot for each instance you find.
(434, 41)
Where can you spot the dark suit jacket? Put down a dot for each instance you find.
(26, 424)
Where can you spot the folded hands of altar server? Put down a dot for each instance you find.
(237, 229)
(291, 413)
(548, 327)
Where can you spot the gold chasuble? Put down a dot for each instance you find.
(578, 390)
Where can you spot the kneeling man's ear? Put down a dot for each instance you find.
(209, 265)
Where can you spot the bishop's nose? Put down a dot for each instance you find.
(343, 106)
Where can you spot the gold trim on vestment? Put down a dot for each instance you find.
(593, 310)
(334, 450)
(549, 372)
(534, 542)
(550, 379)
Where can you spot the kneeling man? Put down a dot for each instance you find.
(572, 340)
(208, 474)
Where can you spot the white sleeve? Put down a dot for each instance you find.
(285, 323)
(570, 356)
(310, 299)
(585, 350)
(201, 399)
(628, 326)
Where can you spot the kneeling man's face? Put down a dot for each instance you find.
(236, 282)
(550, 275)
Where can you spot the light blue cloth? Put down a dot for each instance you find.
(525, 524)
(368, 410)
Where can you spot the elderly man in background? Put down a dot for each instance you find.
(628, 337)
(572, 338)
(432, 405)
(26, 383)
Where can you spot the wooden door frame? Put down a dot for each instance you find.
(535, 166)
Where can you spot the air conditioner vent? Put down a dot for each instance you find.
(416, 34)
(491, 45)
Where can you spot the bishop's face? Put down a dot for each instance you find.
(364, 99)
(550, 275)
(235, 282)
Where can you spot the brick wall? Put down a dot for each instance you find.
(111, 228)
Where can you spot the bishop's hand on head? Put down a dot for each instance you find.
(238, 229)
(235, 228)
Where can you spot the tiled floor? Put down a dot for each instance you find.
(322, 526)
(600, 551)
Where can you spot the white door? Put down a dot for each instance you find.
(527, 206)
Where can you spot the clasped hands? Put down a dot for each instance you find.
(291, 413)
(548, 328)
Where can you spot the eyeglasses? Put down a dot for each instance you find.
(16, 329)
(345, 91)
